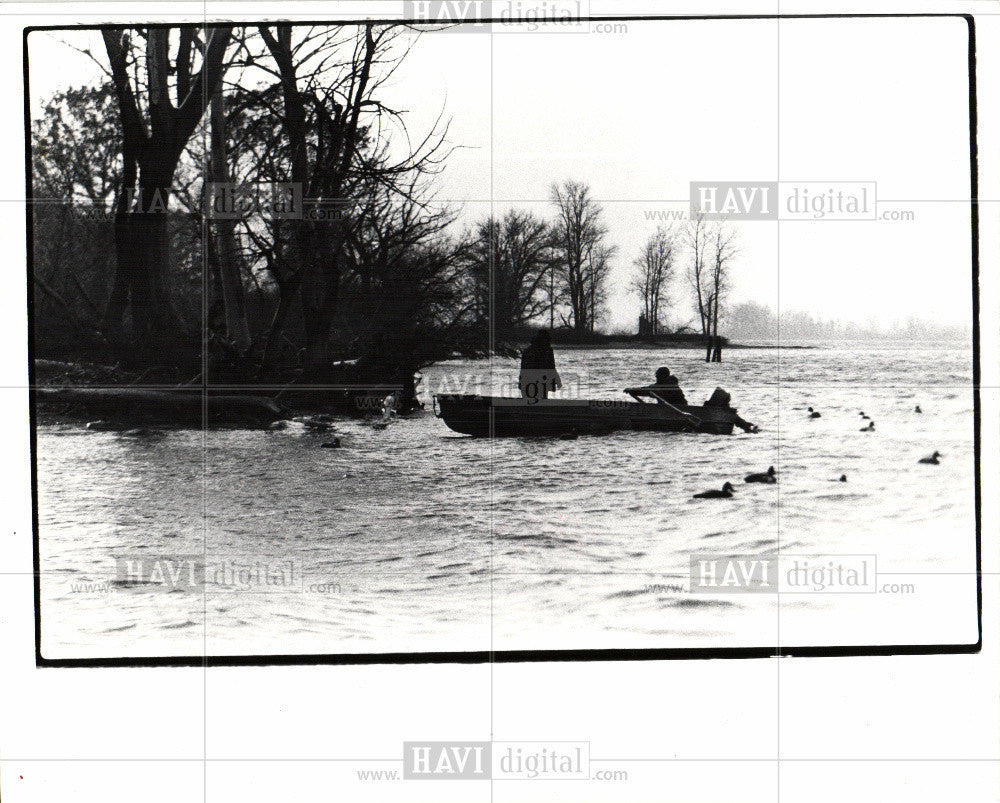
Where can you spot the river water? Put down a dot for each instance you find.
(415, 539)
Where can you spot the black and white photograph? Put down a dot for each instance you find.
(536, 338)
(341, 351)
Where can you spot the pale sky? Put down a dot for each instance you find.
(640, 114)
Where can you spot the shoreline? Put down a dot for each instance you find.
(646, 346)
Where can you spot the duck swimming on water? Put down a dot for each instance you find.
(869, 428)
(932, 460)
(813, 413)
(766, 477)
(843, 478)
(864, 416)
(725, 493)
(917, 409)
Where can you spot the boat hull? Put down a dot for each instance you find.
(486, 416)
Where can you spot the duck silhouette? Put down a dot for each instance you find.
(767, 477)
(334, 444)
(864, 416)
(813, 413)
(917, 409)
(869, 428)
(843, 478)
(725, 493)
(932, 460)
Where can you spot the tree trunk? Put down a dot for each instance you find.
(707, 330)
(146, 232)
(153, 150)
(234, 302)
(319, 303)
(114, 313)
(717, 349)
(269, 358)
(580, 302)
(552, 298)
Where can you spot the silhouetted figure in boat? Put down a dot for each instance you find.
(665, 389)
(720, 398)
(538, 375)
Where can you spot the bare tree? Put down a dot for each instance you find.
(509, 264)
(337, 136)
(723, 249)
(581, 255)
(155, 131)
(653, 271)
(598, 266)
(225, 249)
(76, 161)
(697, 237)
(404, 290)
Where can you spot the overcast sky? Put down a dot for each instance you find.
(640, 114)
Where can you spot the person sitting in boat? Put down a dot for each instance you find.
(666, 389)
(538, 375)
(720, 398)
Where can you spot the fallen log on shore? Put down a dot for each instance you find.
(168, 407)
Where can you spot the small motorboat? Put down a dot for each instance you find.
(494, 416)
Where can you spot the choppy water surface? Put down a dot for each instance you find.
(417, 539)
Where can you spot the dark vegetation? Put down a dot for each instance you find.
(241, 207)
(160, 242)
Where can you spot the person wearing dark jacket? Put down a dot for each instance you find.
(538, 375)
(666, 389)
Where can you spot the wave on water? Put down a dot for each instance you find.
(558, 524)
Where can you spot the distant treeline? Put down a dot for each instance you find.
(749, 321)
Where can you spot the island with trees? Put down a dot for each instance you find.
(237, 212)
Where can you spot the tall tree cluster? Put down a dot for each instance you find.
(258, 195)
(653, 272)
(524, 268)
(510, 261)
(253, 192)
(161, 100)
(712, 247)
(582, 253)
